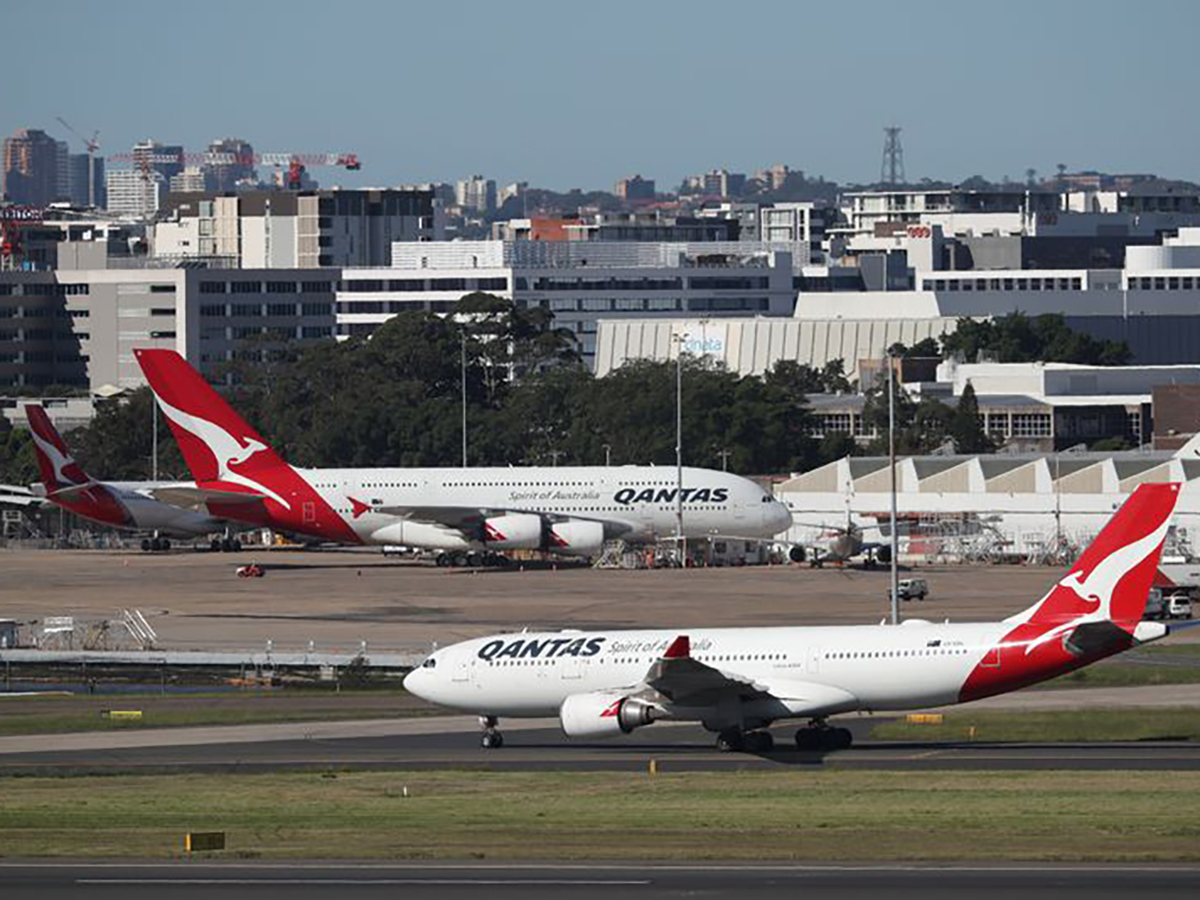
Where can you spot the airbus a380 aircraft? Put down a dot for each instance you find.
(737, 681)
(131, 506)
(571, 510)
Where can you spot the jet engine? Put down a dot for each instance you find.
(420, 534)
(577, 537)
(514, 531)
(603, 714)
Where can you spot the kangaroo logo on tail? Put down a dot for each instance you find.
(227, 449)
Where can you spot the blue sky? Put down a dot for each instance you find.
(564, 94)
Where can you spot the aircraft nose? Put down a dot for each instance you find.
(412, 683)
(781, 517)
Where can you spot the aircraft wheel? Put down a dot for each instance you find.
(146, 546)
(442, 561)
(759, 742)
(731, 740)
(491, 740)
(841, 738)
(809, 739)
(214, 545)
(459, 560)
(164, 544)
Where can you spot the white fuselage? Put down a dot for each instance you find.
(637, 503)
(880, 667)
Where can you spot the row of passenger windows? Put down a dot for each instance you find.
(880, 654)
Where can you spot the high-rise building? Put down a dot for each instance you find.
(477, 193)
(723, 183)
(635, 188)
(132, 192)
(233, 162)
(165, 159)
(81, 191)
(31, 160)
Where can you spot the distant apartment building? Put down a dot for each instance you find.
(231, 165)
(476, 193)
(654, 227)
(723, 183)
(79, 327)
(135, 192)
(578, 281)
(297, 229)
(31, 167)
(193, 179)
(165, 159)
(635, 188)
(1007, 211)
(775, 177)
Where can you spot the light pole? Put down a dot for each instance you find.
(464, 397)
(679, 541)
(725, 454)
(554, 455)
(607, 455)
(154, 437)
(895, 579)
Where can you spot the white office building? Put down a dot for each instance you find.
(580, 282)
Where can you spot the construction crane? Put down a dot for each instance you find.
(92, 145)
(294, 162)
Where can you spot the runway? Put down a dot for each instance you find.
(451, 743)
(186, 880)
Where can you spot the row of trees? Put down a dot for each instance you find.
(395, 399)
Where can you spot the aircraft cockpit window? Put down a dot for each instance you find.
(430, 663)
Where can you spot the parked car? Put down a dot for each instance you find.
(1178, 606)
(911, 589)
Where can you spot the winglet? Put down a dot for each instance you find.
(681, 648)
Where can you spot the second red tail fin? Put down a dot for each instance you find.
(58, 468)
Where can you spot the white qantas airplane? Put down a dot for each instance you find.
(737, 681)
(131, 506)
(571, 510)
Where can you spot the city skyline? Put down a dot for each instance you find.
(664, 91)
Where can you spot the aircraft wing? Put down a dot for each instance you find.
(19, 496)
(685, 681)
(449, 516)
(191, 497)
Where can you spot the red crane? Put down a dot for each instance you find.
(295, 162)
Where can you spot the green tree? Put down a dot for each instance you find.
(965, 428)
(1019, 338)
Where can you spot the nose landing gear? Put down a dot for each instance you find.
(491, 739)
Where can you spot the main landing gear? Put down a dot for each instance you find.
(225, 545)
(473, 559)
(819, 736)
(491, 739)
(733, 740)
(155, 544)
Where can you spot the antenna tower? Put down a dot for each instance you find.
(892, 170)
